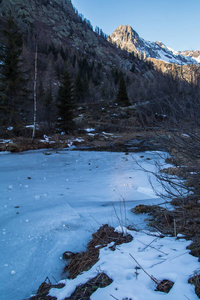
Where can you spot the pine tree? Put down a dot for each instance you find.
(13, 90)
(81, 87)
(122, 97)
(49, 111)
(66, 103)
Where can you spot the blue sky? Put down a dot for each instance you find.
(174, 22)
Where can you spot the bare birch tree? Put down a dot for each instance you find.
(35, 95)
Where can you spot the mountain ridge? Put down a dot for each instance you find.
(125, 37)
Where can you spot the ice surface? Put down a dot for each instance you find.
(53, 203)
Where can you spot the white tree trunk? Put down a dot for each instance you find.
(35, 95)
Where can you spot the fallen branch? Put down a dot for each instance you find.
(152, 278)
(151, 247)
(114, 297)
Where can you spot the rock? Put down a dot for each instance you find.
(12, 148)
(68, 255)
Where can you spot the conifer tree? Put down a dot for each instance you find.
(49, 111)
(13, 90)
(66, 103)
(122, 97)
(81, 87)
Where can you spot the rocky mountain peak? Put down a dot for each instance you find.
(126, 30)
(125, 38)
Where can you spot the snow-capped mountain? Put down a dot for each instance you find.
(128, 39)
(194, 54)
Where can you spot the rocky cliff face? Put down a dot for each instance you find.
(28, 12)
(126, 38)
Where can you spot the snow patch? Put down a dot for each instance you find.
(2, 141)
(89, 129)
(162, 258)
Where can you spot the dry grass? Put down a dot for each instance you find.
(85, 260)
(185, 217)
(43, 291)
(84, 291)
(196, 281)
(82, 262)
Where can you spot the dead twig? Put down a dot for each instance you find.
(114, 297)
(152, 247)
(150, 276)
(149, 244)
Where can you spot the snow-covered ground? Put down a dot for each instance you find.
(162, 258)
(51, 202)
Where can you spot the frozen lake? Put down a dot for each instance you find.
(53, 203)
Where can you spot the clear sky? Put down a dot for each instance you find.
(174, 22)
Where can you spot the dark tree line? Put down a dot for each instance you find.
(66, 104)
(14, 94)
(122, 96)
(100, 32)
